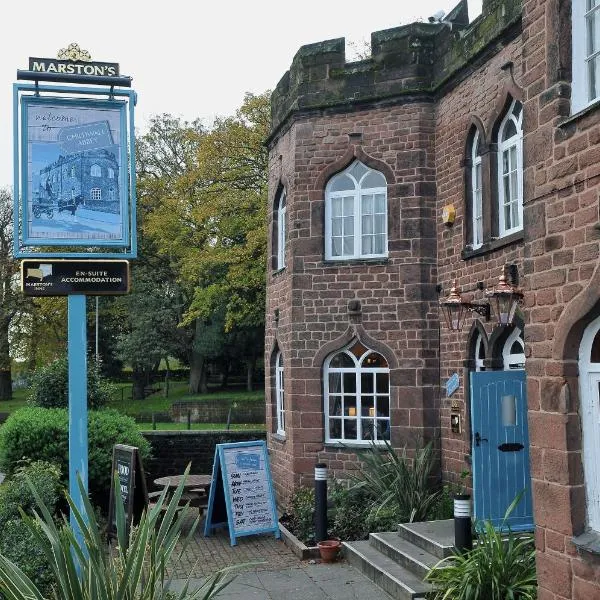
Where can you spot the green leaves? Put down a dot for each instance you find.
(134, 570)
(501, 566)
(396, 484)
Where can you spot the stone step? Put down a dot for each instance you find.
(403, 552)
(435, 537)
(398, 582)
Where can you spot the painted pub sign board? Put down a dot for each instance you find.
(241, 493)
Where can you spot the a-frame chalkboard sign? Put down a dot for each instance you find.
(241, 493)
(127, 463)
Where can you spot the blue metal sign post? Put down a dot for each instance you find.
(65, 136)
(78, 412)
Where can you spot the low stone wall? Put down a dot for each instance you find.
(173, 450)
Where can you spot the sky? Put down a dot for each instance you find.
(191, 59)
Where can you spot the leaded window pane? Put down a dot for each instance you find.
(335, 429)
(350, 429)
(349, 383)
(336, 246)
(335, 406)
(373, 180)
(367, 244)
(367, 204)
(357, 170)
(379, 244)
(383, 406)
(348, 245)
(380, 203)
(342, 183)
(336, 207)
(383, 383)
(367, 383)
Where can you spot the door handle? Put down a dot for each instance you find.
(479, 439)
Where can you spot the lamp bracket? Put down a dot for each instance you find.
(480, 309)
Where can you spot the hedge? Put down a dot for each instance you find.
(42, 434)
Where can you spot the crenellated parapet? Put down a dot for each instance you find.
(411, 60)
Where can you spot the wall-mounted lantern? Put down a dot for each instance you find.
(504, 297)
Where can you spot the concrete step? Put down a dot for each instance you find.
(397, 581)
(435, 537)
(403, 552)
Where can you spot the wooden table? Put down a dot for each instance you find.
(195, 488)
(191, 481)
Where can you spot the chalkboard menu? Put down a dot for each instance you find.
(241, 494)
(127, 464)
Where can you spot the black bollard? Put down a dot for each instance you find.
(463, 537)
(320, 502)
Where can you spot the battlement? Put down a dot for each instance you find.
(410, 60)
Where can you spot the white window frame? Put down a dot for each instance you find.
(358, 370)
(581, 92)
(96, 171)
(111, 173)
(279, 394)
(516, 141)
(96, 194)
(513, 360)
(476, 195)
(589, 395)
(357, 195)
(281, 229)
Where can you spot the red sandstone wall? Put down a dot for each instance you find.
(480, 96)
(398, 301)
(562, 244)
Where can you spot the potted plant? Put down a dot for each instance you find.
(329, 549)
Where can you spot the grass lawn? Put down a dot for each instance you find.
(178, 392)
(157, 403)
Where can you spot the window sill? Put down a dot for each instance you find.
(580, 114)
(335, 262)
(588, 542)
(355, 445)
(278, 437)
(492, 245)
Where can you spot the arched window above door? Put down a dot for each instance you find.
(513, 352)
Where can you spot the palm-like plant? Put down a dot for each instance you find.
(500, 567)
(85, 568)
(398, 484)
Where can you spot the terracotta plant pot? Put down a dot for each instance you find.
(329, 549)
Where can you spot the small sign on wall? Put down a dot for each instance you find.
(452, 385)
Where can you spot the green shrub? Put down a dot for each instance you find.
(42, 434)
(15, 492)
(17, 542)
(50, 386)
(400, 487)
(136, 569)
(348, 512)
(500, 566)
(301, 512)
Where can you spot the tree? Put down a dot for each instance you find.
(11, 300)
(212, 227)
(150, 316)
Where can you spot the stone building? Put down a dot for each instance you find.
(92, 176)
(458, 154)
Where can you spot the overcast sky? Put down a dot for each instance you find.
(191, 59)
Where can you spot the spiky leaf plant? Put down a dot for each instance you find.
(85, 568)
(500, 567)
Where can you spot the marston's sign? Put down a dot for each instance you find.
(68, 67)
(64, 277)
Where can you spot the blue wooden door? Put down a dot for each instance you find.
(500, 448)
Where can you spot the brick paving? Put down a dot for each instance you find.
(205, 555)
(279, 573)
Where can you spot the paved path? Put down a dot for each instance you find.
(281, 573)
